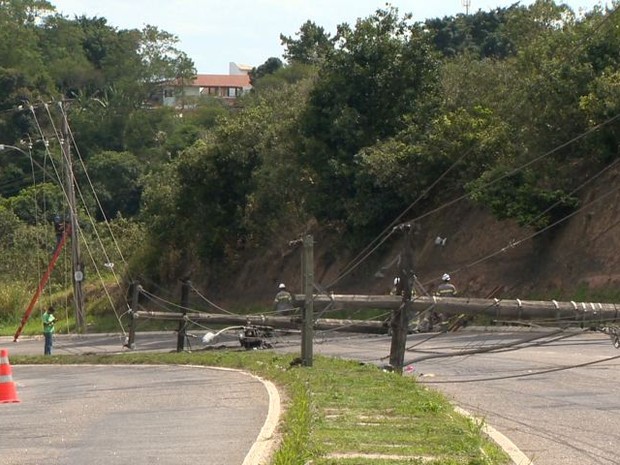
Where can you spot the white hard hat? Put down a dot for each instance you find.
(396, 280)
(446, 277)
(281, 286)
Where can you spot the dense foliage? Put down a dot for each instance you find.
(509, 108)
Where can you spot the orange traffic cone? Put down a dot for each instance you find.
(8, 393)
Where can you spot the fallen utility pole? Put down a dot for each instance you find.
(509, 308)
(497, 308)
(280, 322)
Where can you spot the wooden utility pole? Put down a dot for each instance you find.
(133, 314)
(499, 309)
(400, 317)
(182, 332)
(308, 314)
(78, 272)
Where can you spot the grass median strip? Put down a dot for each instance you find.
(341, 412)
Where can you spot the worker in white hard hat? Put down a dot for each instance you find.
(446, 288)
(427, 320)
(397, 288)
(283, 302)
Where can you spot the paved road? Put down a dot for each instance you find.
(75, 415)
(563, 416)
(568, 416)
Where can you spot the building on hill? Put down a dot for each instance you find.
(185, 94)
(236, 68)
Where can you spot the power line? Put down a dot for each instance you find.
(357, 260)
(522, 375)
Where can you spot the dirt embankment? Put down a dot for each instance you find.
(484, 256)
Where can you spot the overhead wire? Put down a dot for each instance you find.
(93, 190)
(156, 298)
(357, 261)
(530, 236)
(58, 177)
(513, 345)
(521, 167)
(576, 46)
(389, 230)
(36, 214)
(213, 304)
(549, 226)
(522, 375)
(80, 233)
(89, 215)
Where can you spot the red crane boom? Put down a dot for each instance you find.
(43, 281)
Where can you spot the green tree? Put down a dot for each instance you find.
(9, 225)
(455, 148)
(37, 203)
(115, 179)
(482, 33)
(269, 67)
(521, 196)
(380, 72)
(311, 46)
(18, 36)
(61, 42)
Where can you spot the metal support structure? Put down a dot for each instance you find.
(400, 317)
(42, 284)
(182, 332)
(308, 314)
(77, 267)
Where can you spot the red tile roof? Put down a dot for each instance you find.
(221, 80)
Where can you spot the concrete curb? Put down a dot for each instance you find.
(265, 445)
(515, 454)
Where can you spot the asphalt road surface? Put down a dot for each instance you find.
(558, 400)
(556, 396)
(143, 415)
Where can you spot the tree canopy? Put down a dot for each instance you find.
(508, 109)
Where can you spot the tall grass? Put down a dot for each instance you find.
(14, 298)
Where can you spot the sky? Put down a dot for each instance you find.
(214, 33)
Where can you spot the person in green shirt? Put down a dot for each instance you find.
(48, 329)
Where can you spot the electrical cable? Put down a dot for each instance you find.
(526, 238)
(491, 349)
(163, 303)
(346, 270)
(79, 233)
(388, 231)
(223, 310)
(523, 375)
(93, 190)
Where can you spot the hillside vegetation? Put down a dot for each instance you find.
(497, 131)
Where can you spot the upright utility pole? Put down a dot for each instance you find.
(307, 333)
(78, 273)
(133, 314)
(182, 331)
(400, 317)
